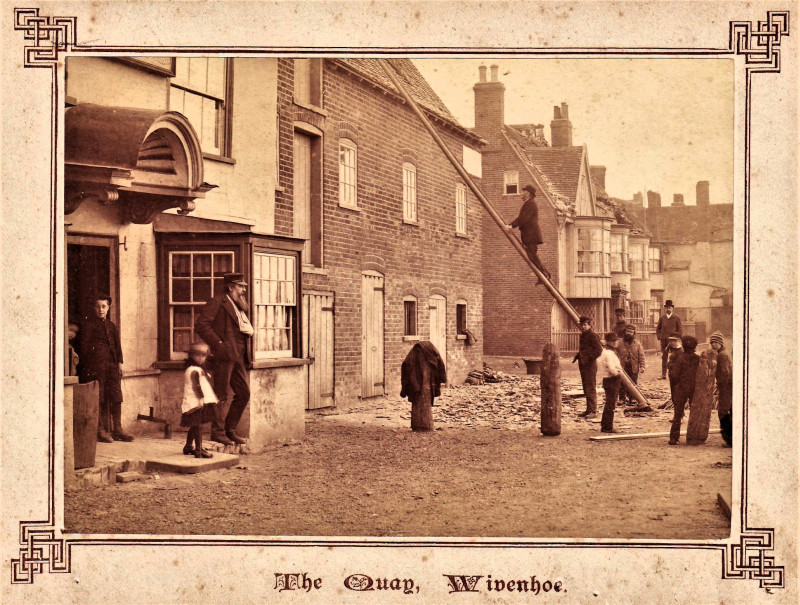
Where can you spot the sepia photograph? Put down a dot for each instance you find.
(305, 300)
(342, 309)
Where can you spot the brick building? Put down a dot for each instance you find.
(398, 254)
(312, 178)
(519, 317)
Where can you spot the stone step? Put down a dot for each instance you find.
(128, 476)
(183, 464)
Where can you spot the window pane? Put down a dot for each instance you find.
(201, 290)
(181, 290)
(209, 139)
(201, 265)
(223, 263)
(182, 317)
(193, 110)
(198, 68)
(180, 265)
(181, 339)
(216, 77)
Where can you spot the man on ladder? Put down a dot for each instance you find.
(529, 230)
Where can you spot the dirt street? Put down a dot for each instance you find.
(485, 471)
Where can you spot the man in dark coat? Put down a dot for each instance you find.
(224, 325)
(631, 355)
(101, 360)
(685, 375)
(667, 324)
(589, 349)
(529, 230)
(724, 387)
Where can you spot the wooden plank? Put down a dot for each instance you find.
(623, 436)
(724, 505)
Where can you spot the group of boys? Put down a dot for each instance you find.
(622, 351)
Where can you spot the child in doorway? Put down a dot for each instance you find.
(199, 401)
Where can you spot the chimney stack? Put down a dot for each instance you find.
(489, 106)
(702, 193)
(638, 199)
(599, 175)
(561, 127)
(653, 199)
(677, 199)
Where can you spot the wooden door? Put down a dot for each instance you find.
(302, 192)
(372, 378)
(318, 346)
(438, 308)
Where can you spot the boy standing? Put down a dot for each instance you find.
(610, 370)
(724, 386)
(675, 350)
(684, 376)
(589, 349)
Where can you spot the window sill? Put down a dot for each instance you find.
(310, 107)
(410, 338)
(462, 235)
(70, 380)
(353, 208)
(409, 222)
(461, 336)
(146, 372)
(171, 364)
(314, 270)
(280, 189)
(219, 158)
(285, 362)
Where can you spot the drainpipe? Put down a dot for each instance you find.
(559, 298)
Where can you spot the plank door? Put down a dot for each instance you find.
(372, 378)
(318, 346)
(438, 307)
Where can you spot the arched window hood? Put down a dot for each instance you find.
(144, 161)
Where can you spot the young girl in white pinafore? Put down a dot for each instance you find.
(199, 402)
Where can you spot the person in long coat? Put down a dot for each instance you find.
(724, 387)
(529, 230)
(668, 323)
(101, 360)
(685, 374)
(589, 349)
(631, 355)
(223, 324)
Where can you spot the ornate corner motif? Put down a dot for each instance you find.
(760, 45)
(50, 36)
(748, 560)
(40, 548)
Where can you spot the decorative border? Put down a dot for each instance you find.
(759, 44)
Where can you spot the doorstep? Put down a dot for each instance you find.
(150, 455)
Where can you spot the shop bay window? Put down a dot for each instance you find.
(274, 304)
(194, 277)
(590, 251)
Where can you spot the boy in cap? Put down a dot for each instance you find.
(724, 387)
(667, 324)
(589, 349)
(684, 376)
(610, 370)
(529, 230)
(675, 350)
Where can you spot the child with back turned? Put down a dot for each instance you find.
(199, 401)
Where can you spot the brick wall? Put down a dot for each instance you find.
(418, 260)
(283, 197)
(516, 312)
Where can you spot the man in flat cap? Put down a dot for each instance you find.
(529, 230)
(224, 325)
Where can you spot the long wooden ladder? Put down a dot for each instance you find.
(554, 292)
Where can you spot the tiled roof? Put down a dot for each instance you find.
(527, 132)
(562, 165)
(417, 86)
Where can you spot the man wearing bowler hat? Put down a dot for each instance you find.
(224, 325)
(529, 230)
(669, 323)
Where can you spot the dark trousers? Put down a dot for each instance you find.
(679, 400)
(532, 254)
(664, 356)
(611, 388)
(725, 412)
(623, 394)
(234, 374)
(588, 380)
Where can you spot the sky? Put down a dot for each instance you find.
(658, 124)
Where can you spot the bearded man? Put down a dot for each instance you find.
(224, 325)
(631, 354)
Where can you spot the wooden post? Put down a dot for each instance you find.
(421, 410)
(550, 383)
(703, 400)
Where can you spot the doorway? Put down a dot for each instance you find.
(438, 308)
(372, 378)
(91, 270)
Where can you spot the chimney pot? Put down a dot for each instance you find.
(556, 112)
(482, 73)
(564, 111)
(494, 69)
(560, 127)
(677, 199)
